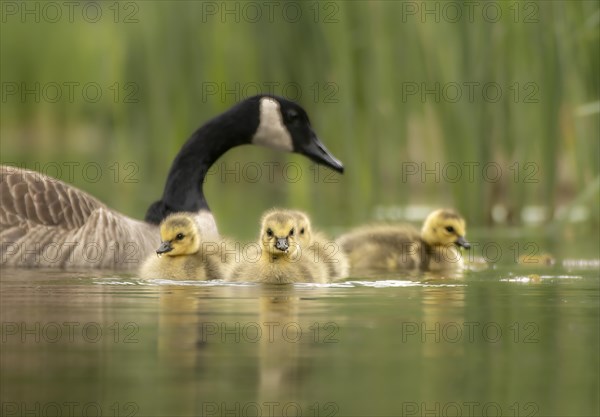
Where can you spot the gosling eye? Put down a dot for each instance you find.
(179, 236)
(450, 229)
(269, 233)
(292, 232)
(302, 231)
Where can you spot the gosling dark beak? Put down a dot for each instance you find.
(461, 241)
(318, 153)
(164, 247)
(282, 244)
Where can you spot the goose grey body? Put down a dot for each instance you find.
(47, 223)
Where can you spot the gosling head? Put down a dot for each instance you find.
(179, 235)
(444, 227)
(278, 233)
(304, 231)
(284, 125)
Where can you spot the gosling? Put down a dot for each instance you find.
(281, 259)
(321, 248)
(186, 255)
(403, 247)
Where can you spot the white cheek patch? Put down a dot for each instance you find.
(271, 132)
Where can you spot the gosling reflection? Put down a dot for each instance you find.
(441, 327)
(279, 355)
(177, 317)
(253, 335)
(177, 347)
(442, 333)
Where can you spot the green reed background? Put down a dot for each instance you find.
(353, 65)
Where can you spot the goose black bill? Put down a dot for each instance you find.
(317, 152)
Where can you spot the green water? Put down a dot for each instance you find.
(506, 340)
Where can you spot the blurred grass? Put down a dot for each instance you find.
(369, 55)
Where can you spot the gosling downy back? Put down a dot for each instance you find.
(381, 247)
(45, 222)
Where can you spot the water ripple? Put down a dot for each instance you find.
(221, 283)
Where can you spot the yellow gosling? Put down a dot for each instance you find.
(182, 252)
(281, 258)
(402, 247)
(321, 248)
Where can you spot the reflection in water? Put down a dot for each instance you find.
(271, 342)
(211, 348)
(177, 325)
(442, 332)
(442, 327)
(280, 348)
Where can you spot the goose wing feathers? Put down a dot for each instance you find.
(47, 223)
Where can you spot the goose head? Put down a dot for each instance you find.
(444, 227)
(263, 120)
(284, 125)
(179, 236)
(278, 234)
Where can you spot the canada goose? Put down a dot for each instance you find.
(182, 253)
(400, 247)
(321, 247)
(280, 258)
(47, 223)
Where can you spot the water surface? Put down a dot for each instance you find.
(505, 340)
